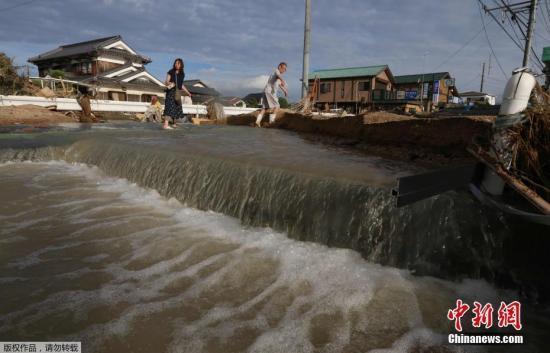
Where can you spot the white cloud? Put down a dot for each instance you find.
(243, 40)
(255, 83)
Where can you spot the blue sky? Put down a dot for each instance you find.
(233, 45)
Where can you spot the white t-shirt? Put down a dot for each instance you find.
(272, 86)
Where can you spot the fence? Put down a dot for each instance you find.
(66, 104)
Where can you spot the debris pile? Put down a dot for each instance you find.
(32, 115)
(531, 146)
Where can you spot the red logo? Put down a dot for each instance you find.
(508, 315)
(457, 313)
(483, 315)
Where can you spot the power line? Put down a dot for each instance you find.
(500, 25)
(489, 42)
(544, 15)
(17, 5)
(475, 78)
(517, 15)
(459, 50)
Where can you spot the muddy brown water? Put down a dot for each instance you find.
(98, 248)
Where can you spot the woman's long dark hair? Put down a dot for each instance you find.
(174, 65)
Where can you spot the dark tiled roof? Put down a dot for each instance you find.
(117, 81)
(130, 74)
(193, 82)
(75, 49)
(112, 83)
(89, 47)
(105, 73)
(115, 53)
(202, 91)
(416, 78)
(256, 96)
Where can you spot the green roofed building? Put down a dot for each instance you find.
(435, 88)
(353, 88)
(368, 87)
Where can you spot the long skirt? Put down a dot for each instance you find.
(171, 108)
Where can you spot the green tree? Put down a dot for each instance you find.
(57, 73)
(283, 102)
(10, 81)
(252, 102)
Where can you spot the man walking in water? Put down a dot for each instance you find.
(270, 102)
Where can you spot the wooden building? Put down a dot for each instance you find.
(432, 89)
(353, 88)
(110, 64)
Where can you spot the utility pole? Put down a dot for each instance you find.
(482, 78)
(530, 29)
(307, 45)
(516, 11)
(422, 82)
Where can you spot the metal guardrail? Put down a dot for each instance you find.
(66, 104)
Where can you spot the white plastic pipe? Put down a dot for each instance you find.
(517, 92)
(515, 99)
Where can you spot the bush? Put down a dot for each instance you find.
(10, 81)
(283, 102)
(57, 74)
(252, 102)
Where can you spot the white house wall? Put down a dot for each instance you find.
(109, 60)
(144, 74)
(120, 45)
(121, 72)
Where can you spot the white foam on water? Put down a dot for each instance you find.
(320, 281)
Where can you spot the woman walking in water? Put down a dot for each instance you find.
(176, 89)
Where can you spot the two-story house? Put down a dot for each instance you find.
(109, 64)
(435, 88)
(352, 88)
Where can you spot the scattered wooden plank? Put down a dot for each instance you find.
(202, 121)
(525, 191)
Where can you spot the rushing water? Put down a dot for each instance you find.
(156, 241)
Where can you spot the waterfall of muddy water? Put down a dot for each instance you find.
(132, 238)
(96, 259)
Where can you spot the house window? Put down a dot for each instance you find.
(325, 87)
(364, 86)
(343, 90)
(84, 68)
(378, 94)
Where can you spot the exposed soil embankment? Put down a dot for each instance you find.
(32, 115)
(390, 135)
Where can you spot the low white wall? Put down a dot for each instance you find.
(65, 104)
